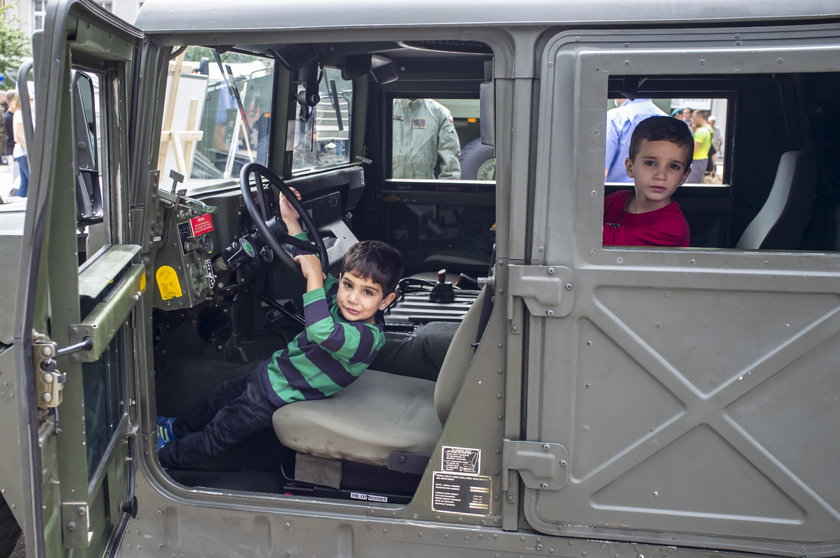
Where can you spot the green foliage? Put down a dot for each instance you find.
(14, 45)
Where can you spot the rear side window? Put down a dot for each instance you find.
(439, 139)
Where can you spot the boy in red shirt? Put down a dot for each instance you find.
(661, 150)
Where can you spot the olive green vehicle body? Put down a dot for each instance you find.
(624, 402)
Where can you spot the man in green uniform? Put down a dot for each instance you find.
(424, 136)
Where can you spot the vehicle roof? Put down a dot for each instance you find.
(175, 16)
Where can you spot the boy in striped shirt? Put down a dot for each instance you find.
(342, 336)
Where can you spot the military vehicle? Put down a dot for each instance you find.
(594, 401)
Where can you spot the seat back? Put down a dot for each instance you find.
(458, 359)
(782, 220)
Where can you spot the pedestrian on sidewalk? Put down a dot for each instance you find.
(20, 152)
(11, 101)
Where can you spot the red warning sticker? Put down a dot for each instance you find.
(202, 224)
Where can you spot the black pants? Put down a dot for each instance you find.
(235, 410)
(420, 354)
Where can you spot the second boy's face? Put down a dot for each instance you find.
(359, 298)
(659, 168)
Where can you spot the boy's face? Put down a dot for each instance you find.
(359, 298)
(659, 168)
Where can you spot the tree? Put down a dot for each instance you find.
(14, 45)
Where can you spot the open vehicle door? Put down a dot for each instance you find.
(80, 281)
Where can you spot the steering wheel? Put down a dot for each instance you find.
(271, 228)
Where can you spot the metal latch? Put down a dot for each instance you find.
(547, 290)
(541, 465)
(49, 380)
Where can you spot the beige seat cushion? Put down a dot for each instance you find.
(377, 414)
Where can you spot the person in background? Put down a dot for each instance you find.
(424, 136)
(10, 97)
(702, 145)
(621, 121)
(717, 145)
(20, 152)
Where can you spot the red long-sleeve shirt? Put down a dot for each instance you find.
(662, 227)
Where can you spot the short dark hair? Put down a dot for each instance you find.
(662, 128)
(377, 261)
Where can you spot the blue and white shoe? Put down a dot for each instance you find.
(165, 433)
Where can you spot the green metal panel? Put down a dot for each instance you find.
(11, 232)
(107, 317)
(692, 388)
(105, 269)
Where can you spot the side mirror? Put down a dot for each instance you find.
(88, 189)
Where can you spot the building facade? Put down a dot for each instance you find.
(29, 14)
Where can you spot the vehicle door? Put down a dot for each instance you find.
(686, 396)
(80, 280)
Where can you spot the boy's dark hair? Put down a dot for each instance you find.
(662, 128)
(377, 261)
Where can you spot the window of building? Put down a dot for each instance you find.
(39, 11)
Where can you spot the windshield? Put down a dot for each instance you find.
(217, 116)
(322, 132)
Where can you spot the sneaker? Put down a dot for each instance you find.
(164, 431)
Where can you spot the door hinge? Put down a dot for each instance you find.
(49, 380)
(548, 290)
(541, 465)
(75, 523)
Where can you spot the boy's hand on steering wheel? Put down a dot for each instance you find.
(287, 210)
(310, 268)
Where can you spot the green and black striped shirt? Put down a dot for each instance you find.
(328, 355)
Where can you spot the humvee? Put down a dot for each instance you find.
(593, 401)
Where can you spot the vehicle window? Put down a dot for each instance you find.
(103, 379)
(86, 113)
(706, 118)
(754, 182)
(439, 139)
(217, 116)
(322, 132)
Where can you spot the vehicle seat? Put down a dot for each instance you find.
(781, 222)
(381, 413)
